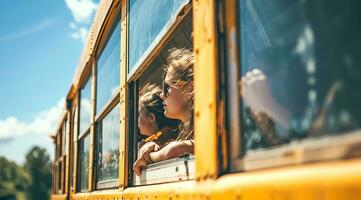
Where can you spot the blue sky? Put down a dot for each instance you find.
(40, 45)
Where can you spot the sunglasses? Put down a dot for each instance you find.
(165, 88)
(175, 84)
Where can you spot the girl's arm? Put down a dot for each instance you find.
(173, 150)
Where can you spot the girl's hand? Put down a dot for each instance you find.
(143, 156)
(138, 164)
(146, 149)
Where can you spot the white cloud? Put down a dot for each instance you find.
(80, 33)
(72, 25)
(82, 11)
(44, 123)
(28, 30)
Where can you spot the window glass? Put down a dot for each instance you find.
(83, 163)
(60, 143)
(71, 143)
(300, 70)
(65, 130)
(107, 133)
(147, 20)
(59, 176)
(108, 70)
(85, 106)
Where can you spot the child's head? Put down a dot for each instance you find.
(178, 85)
(151, 112)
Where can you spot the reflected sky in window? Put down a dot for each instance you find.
(85, 106)
(147, 20)
(108, 67)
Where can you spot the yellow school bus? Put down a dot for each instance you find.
(277, 113)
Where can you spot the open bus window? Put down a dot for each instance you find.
(157, 129)
(300, 70)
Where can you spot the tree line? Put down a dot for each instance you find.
(31, 181)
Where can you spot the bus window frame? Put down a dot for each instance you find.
(79, 189)
(104, 41)
(64, 153)
(295, 153)
(64, 134)
(60, 159)
(87, 76)
(167, 171)
(74, 161)
(73, 132)
(108, 183)
(114, 100)
(59, 176)
(133, 85)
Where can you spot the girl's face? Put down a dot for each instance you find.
(146, 123)
(173, 103)
(176, 101)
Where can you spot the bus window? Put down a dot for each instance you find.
(108, 67)
(60, 158)
(60, 143)
(107, 149)
(64, 155)
(85, 107)
(59, 171)
(300, 70)
(83, 137)
(107, 111)
(73, 134)
(65, 131)
(83, 166)
(149, 22)
(59, 163)
(154, 129)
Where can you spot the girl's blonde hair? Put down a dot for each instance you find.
(179, 67)
(179, 71)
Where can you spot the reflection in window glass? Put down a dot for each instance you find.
(108, 70)
(83, 163)
(147, 19)
(85, 106)
(301, 69)
(107, 133)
